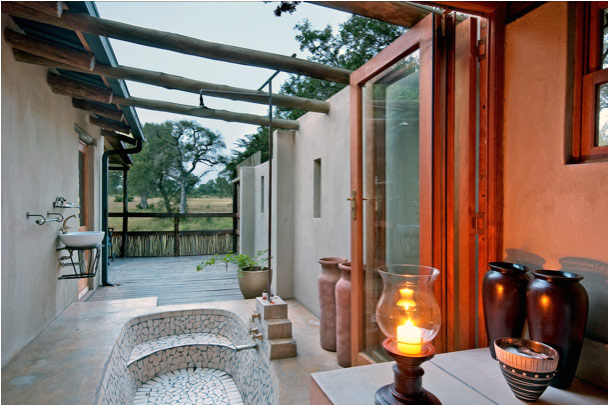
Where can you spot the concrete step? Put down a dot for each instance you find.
(277, 328)
(268, 311)
(277, 348)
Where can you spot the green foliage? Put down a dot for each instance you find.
(115, 183)
(220, 187)
(119, 198)
(243, 261)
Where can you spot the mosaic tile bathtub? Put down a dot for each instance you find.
(175, 357)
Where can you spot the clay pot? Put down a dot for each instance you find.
(343, 315)
(557, 309)
(253, 282)
(327, 301)
(504, 301)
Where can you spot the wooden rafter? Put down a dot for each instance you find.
(62, 85)
(97, 109)
(110, 124)
(85, 61)
(118, 136)
(68, 87)
(178, 43)
(169, 81)
(394, 12)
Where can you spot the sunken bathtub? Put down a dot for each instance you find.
(187, 357)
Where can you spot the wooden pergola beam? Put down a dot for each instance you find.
(83, 60)
(69, 87)
(197, 111)
(169, 81)
(120, 137)
(394, 12)
(110, 125)
(53, 8)
(178, 43)
(97, 109)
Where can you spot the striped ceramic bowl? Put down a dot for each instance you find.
(527, 366)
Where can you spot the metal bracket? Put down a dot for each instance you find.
(353, 205)
(477, 223)
(481, 49)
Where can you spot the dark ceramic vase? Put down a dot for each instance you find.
(557, 310)
(327, 301)
(343, 316)
(504, 301)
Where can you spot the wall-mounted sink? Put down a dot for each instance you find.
(79, 239)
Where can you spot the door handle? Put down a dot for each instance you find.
(353, 205)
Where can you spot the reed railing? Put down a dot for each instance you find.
(176, 242)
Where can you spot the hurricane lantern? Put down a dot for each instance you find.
(409, 316)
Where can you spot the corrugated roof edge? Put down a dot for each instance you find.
(101, 48)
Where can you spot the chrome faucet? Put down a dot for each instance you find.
(65, 227)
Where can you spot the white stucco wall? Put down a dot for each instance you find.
(299, 239)
(39, 163)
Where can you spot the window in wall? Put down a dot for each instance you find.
(590, 83)
(317, 188)
(262, 194)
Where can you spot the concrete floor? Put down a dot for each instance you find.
(65, 363)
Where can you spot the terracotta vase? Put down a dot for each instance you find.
(557, 310)
(504, 301)
(327, 301)
(343, 315)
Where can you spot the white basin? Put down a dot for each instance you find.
(79, 239)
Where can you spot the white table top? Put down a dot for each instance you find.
(461, 377)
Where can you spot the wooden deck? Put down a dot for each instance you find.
(174, 280)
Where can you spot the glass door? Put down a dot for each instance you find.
(391, 175)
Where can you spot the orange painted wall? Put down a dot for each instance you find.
(555, 214)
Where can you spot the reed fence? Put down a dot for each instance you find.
(174, 243)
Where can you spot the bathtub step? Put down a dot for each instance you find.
(147, 348)
(276, 310)
(277, 328)
(276, 348)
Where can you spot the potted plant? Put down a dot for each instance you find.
(251, 271)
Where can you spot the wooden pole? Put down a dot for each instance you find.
(178, 43)
(52, 8)
(176, 236)
(125, 215)
(80, 59)
(169, 81)
(110, 125)
(97, 109)
(73, 88)
(235, 212)
(120, 137)
(197, 111)
(69, 87)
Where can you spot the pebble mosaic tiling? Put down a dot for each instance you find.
(148, 347)
(194, 386)
(202, 338)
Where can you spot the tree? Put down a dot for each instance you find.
(168, 159)
(182, 146)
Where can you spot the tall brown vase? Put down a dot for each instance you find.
(557, 309)
(327, 301)
(343, 315)
(504, 301)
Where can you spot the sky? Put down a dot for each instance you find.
(248, 24)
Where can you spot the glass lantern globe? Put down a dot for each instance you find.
(407, 311)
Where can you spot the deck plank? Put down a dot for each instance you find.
(174, 280)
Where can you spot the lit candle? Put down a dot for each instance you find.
(409, 338)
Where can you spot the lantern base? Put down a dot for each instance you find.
(387, 396)
(407, 387)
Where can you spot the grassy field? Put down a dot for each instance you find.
(195, 205)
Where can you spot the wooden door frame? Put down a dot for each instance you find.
(418, 37)
(83, 284)
(489, 220)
